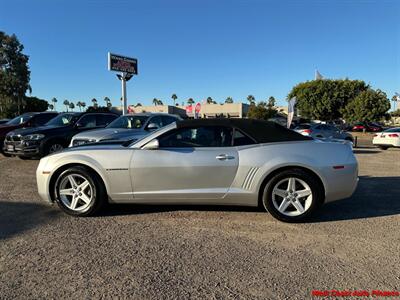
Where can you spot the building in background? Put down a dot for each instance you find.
(226, 110)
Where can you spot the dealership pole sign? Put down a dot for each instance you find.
(127, 66)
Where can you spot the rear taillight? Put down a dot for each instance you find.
(393, 135)
(376, 134)
(307, 131)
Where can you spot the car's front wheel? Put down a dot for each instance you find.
(292, 195)
(80, 192)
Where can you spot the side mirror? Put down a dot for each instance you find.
(78, 125)
(152, 145)
(152, 126)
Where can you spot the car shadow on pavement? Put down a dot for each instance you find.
(362, 151)
(17, 217)
(131, 209)
(374, 197)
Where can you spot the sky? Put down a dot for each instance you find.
(196, 49)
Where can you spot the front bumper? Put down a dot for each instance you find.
(22, 148)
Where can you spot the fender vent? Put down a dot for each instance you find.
(249, 178)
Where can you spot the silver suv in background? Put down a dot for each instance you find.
(126, 128)
(323, 131)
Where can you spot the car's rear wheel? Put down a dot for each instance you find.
(80, 192)
(383, 147)
(292, 195)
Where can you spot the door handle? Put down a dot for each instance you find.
(224, 157)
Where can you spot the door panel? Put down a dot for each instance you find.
(176, 174)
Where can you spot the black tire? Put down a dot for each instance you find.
(48, 149)
(383, 147)
(349, 139)
(99, 198)
(314, 184)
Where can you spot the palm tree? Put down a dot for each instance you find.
(54, 100)
(155, 101)
(108, 101)
(66, 103)
(174, 97)
(83, 104)
(79, 105)
(271, 101)
(51, 106)
(190, 101)
(160, 102)
(251, 99)
(209, 100)
(138, 104)
(229, 100)
(94, 101)
(71, 106)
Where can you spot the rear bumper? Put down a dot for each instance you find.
(342, 182)
(388, 142)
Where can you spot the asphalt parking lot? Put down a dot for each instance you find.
(182, 252)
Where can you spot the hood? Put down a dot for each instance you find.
(4, 128)
(34, 130)
(111, 134)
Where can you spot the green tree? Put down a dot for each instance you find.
(79, 105)
(95, 104)
(83, 104)
(368, 106)
(190, 101)
(54, 101)
(66, 103)
(209, 100)
(251, 99)
(271, 101)
(107, 101)
(14, 75)
(395, 113)
(51, 107)
(33, 104)
(138, 104)
(261, 111)
(326, 99)
(71, 106)
(229, 100)
(174, 97)
(160, 102)
(156, 101)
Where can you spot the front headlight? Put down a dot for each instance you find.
(32, 137)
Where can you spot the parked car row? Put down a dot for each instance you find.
(39, 134)
(323, 131)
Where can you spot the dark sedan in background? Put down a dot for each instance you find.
(54, 135)
(33, 119)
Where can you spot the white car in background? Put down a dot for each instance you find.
(388, 138)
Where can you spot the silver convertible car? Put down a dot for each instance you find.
(205, 161)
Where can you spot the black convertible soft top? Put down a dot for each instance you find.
(260, 131)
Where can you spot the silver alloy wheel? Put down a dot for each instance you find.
(292, 196)
(76, 192)
(55, 148)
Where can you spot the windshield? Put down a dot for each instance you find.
(397, 129)
(19, 120)
(63, 120)
(128, 122)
